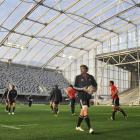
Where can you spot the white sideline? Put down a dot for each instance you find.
(10, 126)
(27, 124)
(16, 128)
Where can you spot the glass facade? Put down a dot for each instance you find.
(103, 72)
(125, 40)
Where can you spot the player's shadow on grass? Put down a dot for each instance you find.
(120, 130)
(116, 131)
(98, 133)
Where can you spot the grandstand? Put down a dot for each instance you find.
(31, 80)
(43, 43)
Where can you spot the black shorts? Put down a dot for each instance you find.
(12, 101)
(56, 102)
(30, 102)
(84, 102)
(72, 102)
(6, 101)
(115, 102)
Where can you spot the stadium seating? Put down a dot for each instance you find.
(129, 96)
(30, 80)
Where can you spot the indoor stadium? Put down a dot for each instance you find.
(69, 69)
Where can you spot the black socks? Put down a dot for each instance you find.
(122, 111)
(113, 115)
(87, 121)
(13, 109)
(80, 119)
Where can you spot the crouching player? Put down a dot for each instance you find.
(12, 95)
(81, 81)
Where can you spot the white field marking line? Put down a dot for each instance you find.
(28, 124)
(10, 126)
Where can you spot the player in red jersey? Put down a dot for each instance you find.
(115, 101)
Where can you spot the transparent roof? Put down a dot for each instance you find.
(51, 33)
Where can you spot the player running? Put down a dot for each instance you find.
(56, 98)
(71, 93)
(4, 97)
(115, 101)
(12, 95)
(51, 102)
(84, 80)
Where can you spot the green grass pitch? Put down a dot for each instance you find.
(38, 123)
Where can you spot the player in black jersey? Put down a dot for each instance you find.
(55, 98)
(4, 97)
(51, 102)
(12, 95)
(30, 101)
(81, 81)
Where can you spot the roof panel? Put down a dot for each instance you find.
(7, 8)
(49, 16)
(56, 30)
(3, 50)
(38, 12)
(16, 16)
(10, 53)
